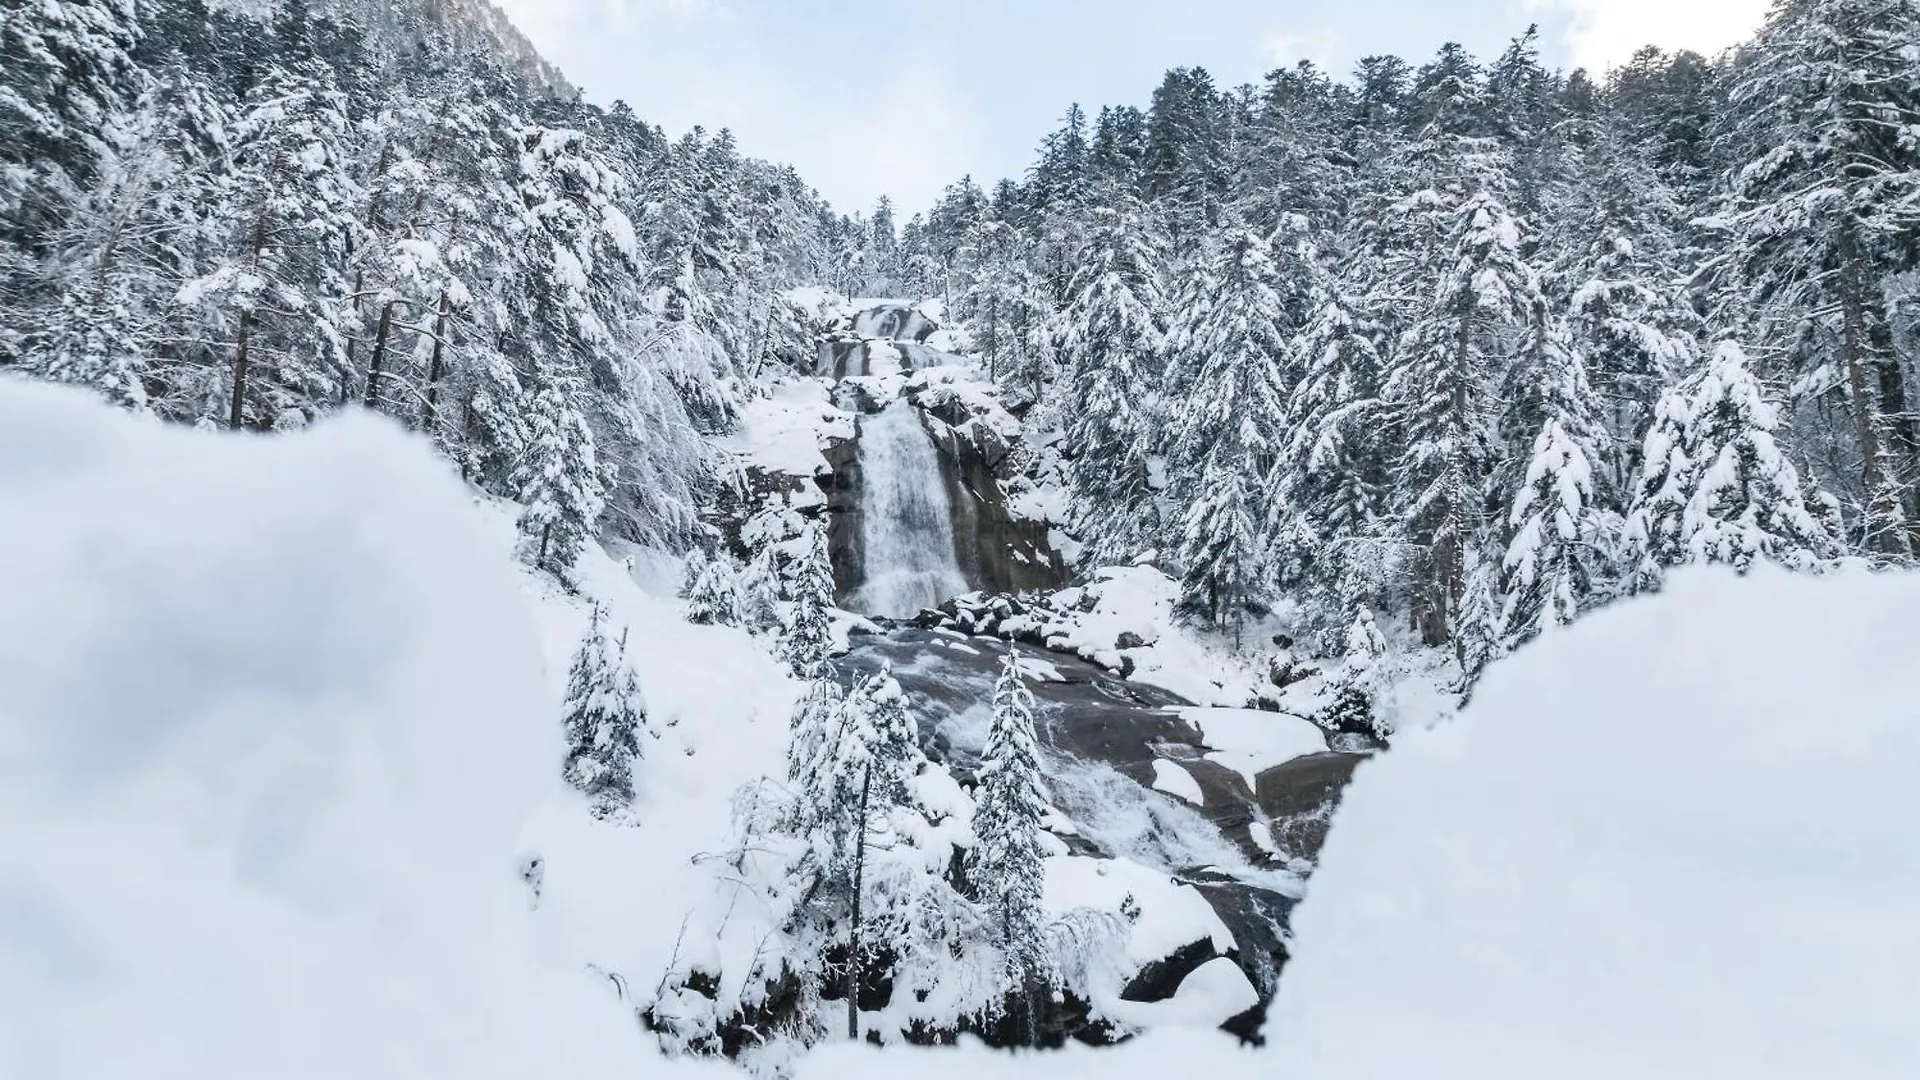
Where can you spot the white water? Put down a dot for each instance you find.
(906, 522)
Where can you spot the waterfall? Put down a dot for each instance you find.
(905, 520)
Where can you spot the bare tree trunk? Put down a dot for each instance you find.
(237, 413)
(1853, 340)
(1903, 439)
(377, 366)
(853, 933)
(436, 368)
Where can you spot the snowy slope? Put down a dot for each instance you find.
(1673, 841)
(272, 717)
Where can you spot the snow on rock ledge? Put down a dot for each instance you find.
(271, 718)
(1675, 840)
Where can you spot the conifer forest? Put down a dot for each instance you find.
(1409, 568)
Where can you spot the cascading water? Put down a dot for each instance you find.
(905, 521)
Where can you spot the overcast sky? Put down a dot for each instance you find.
(902, 97)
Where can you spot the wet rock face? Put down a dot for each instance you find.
(1092, 719)
(999, 551)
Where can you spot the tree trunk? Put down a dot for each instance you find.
(1881, 536)
(436, 368)
(1903, 439)
(237, 413)
(853, 933)
(377, 365)
(993, 340)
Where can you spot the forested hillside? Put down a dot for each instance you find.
(566, 598)
(1479, 343)
(1475, 342)
(249, 219)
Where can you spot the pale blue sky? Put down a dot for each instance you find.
(901, 97)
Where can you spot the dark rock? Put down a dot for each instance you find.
(1093, 716)
(1159, 980)
(1129, 640)
(1299, 798)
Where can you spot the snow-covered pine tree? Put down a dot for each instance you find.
(1825, 187)
(287, 211)
(709, 589)
(1112, 338)
(1559, 552)
(1354, 695)
(1329, 480)
(67, 73)
(1716, 486)
(1617, 271)
(869, 770)
(816, 722)
(809, 629)
(559, 483)
(761, 589)
(603, 716)
(1444, 373)
(1651, 537)
(1005, 867)
(1231, 347)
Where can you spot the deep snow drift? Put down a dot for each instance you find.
(272, 717)
(1674, 840)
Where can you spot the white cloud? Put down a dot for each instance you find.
(1602, 34)
(1286, 48)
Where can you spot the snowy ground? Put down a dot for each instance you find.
(277, 742)
(271, 725)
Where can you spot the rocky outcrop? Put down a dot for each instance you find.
(1090, 715)
(999, 549)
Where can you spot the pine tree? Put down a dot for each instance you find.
(1716, 487)
(809, 636)
(1824, 193)
(869, 768)
(1355, 693)
(1226, 351)
(67, 73)
(1328, 485)
(710, 589)
(1615, 267)
(1112, 338)
(1557, 557)
(761, 590)
(603, 717)
(1005, 866)
(1446, 368)
(815, 723)
(560, 484)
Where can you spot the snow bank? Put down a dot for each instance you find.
(271, 719)
(635, 901)
(1673, 841)
(787, 431)
(1251, 741)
